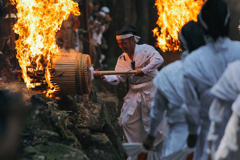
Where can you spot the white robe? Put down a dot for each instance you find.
(229, 148)
(202, 69)
(225, 91)
(170, 98)
(97, 38)
(135, 112)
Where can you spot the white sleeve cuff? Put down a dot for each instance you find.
(144, 70)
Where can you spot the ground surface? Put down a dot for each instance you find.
(76, 127)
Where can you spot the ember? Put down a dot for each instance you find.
(38, 22)
(173, 14)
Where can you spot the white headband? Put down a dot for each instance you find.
(205, 26)
(136, 38)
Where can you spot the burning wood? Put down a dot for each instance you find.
(37, 24)
(173, 15)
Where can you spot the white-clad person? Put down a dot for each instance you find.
(107, 21)
(108, 18)
(135, 111)
(225, 91)
(203, 68)
(98, 27)
(229, 147)
(170, 95)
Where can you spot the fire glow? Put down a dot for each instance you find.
(37, 24)
(173, 15)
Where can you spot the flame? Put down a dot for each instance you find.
(173, 15)
(37, 24)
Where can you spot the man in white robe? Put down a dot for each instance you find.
(203, 68)
(146, 60)
(229, 148)
(170, 95)
(225, 91)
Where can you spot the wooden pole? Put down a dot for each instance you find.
(87, 36)
(115, 72)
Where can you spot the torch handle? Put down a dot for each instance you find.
(116, 72)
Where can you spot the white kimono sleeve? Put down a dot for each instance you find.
(157, 113)
(192, 102)
(155, 63)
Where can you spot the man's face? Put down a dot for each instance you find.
(127, 45)
(96, 7)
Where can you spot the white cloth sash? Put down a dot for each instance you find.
(138, 93)
(141, 87)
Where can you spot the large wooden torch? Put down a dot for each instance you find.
(73, 74)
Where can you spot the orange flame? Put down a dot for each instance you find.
(173, 15)
(38, 22)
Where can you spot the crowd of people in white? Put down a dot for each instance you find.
(204, 87)
(99, 21)
(198, 96)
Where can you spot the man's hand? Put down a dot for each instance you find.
(139, 72)
(98, 75)
(148, 142)
(192, 140)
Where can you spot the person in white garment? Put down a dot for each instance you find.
(229, 148)
(170, 95)
(135, 111)
(225, 91)
(108, 18)
(98, 27)
(203, 68)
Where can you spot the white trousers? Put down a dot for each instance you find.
(134, 130)
(200, 152)
(176, 138)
